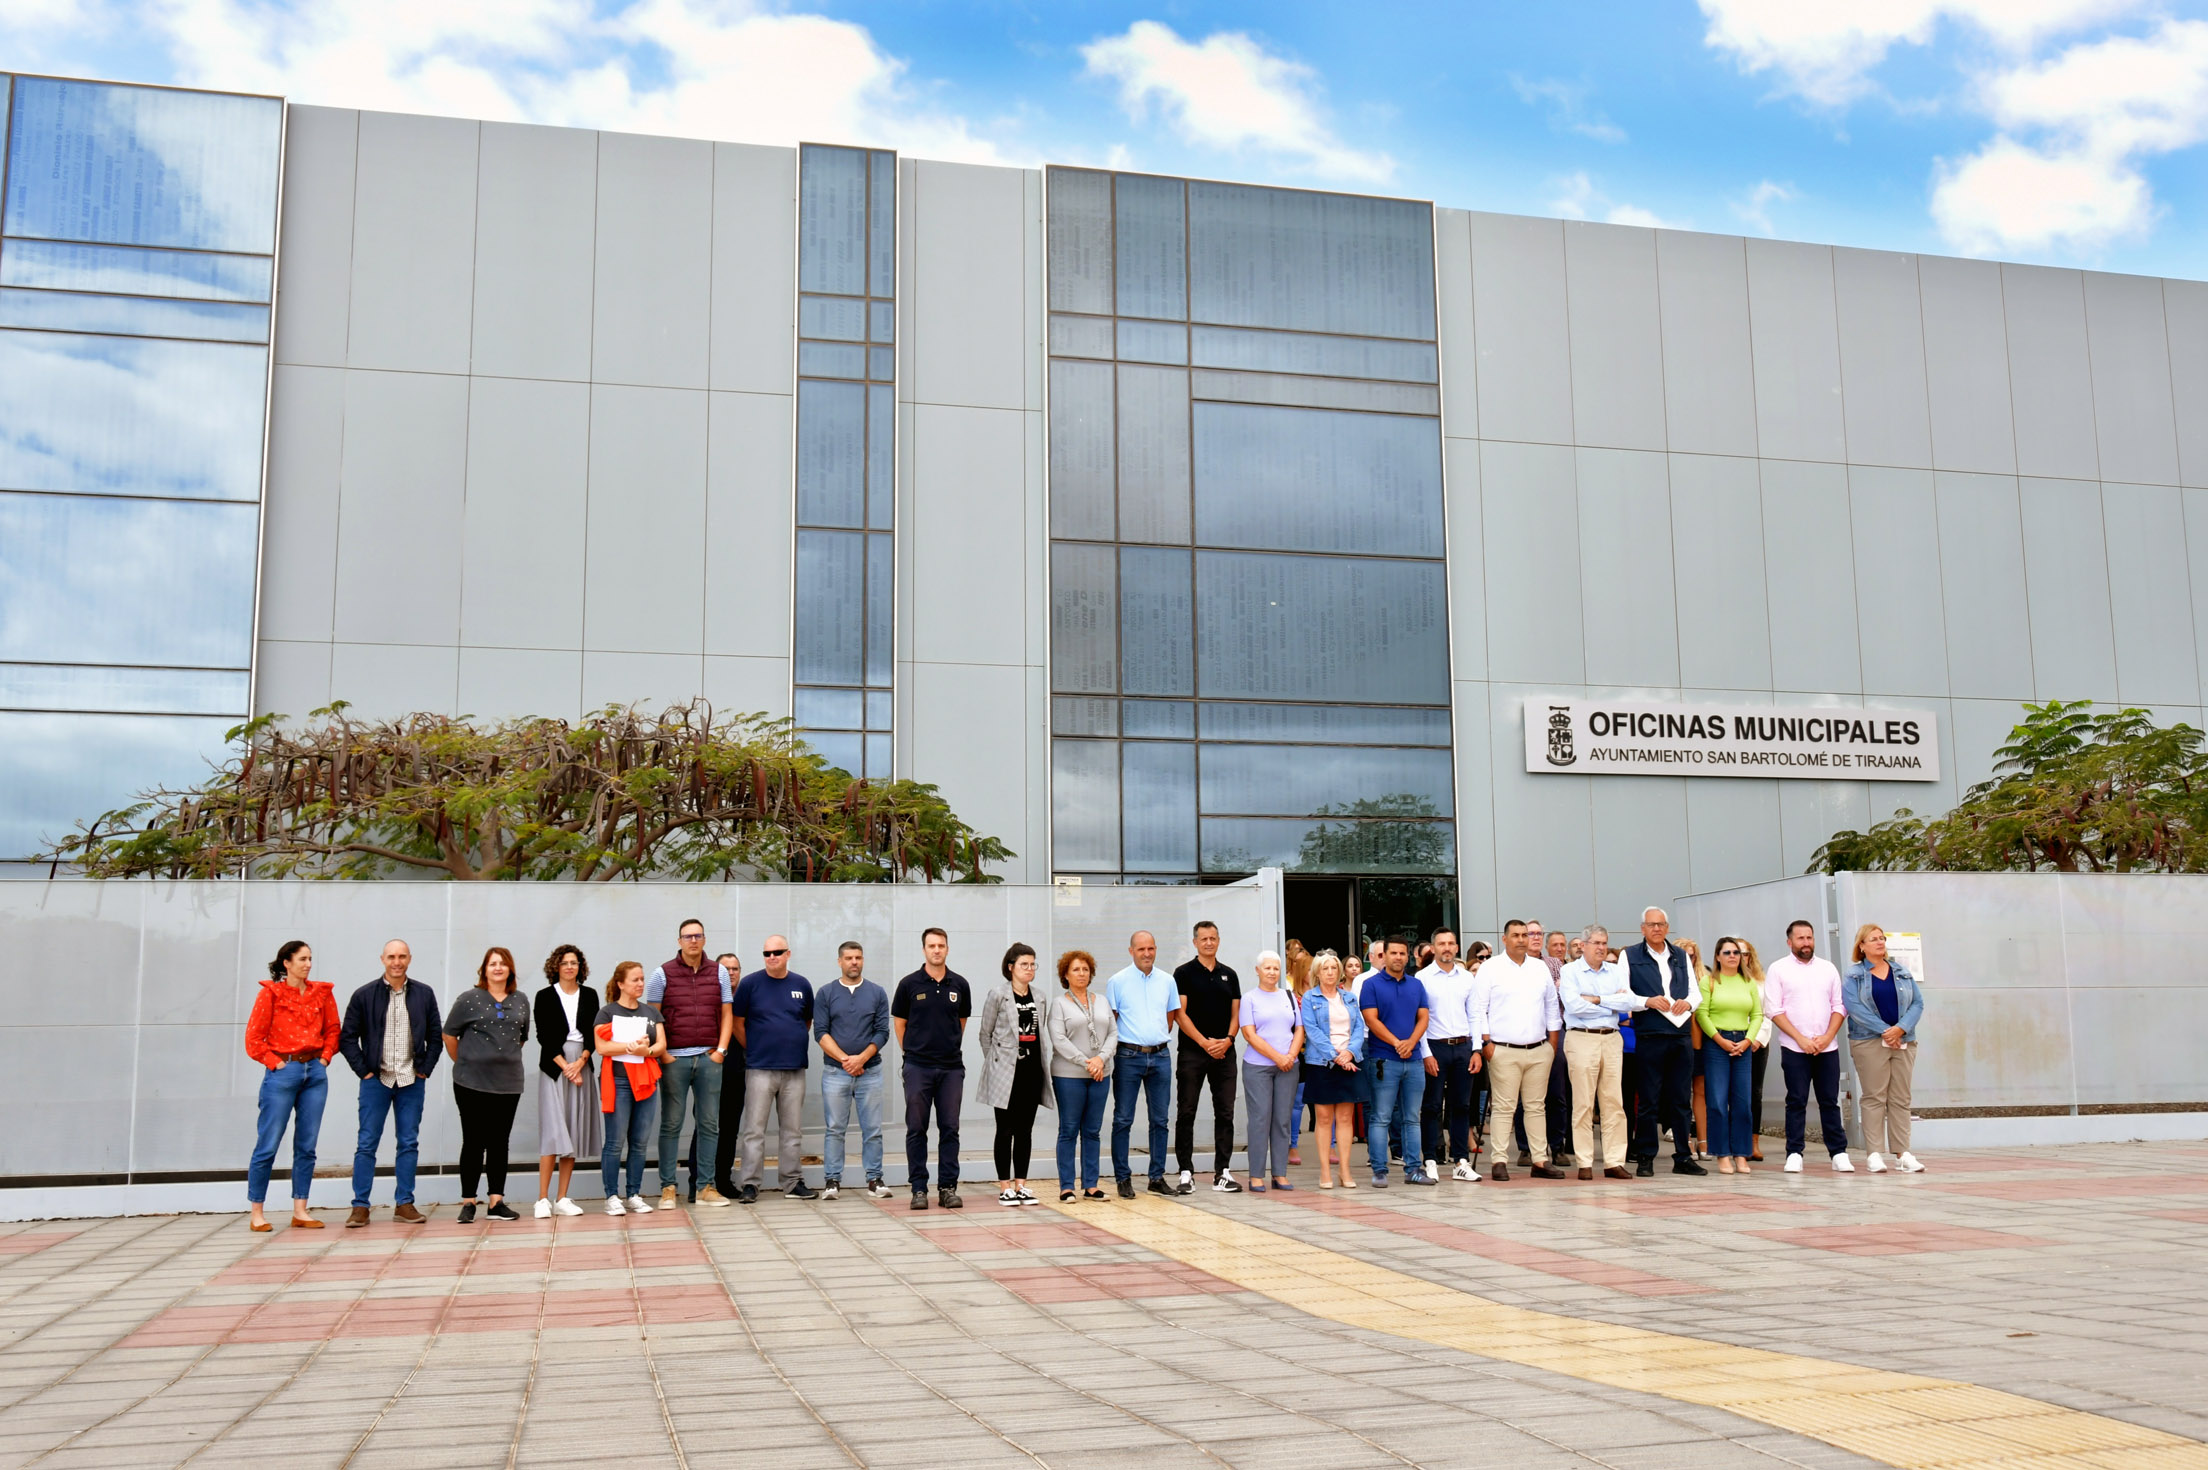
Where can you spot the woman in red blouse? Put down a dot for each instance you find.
(293, 1033)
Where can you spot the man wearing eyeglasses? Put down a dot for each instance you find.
(774, 1016)
(1594, 992)
(695, 996)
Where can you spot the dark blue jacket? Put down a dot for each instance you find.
(362, 1037)
(1644, 978)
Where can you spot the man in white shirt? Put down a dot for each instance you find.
(1516, 1010)
(1453, 1043)
(1592, 992)
(1659, 973)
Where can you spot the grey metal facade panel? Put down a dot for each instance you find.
(413, 261)
(1900, 613)
(754, 251)
(1521, 329)
(1627, 598)
(400, 510)
(2050, 376)
(1881, 321)
(1810, 577)
(2150, 594)
(1719, 559)
(1795, 334)
(1529, 501)
(968, 308)
(747, 514)
(523, 565)
(2066, 573)
(652, 307)
(314, 295)
(1616, 343)
(1459, 355)
(1468, 549)
(1709, 373)
(2185, 310)
(644, 584)
(1966, 365)
(306, 446)
(1989, 643)
(535, 251)
(2127, 332)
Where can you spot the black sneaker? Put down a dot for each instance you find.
(748, 1195)
(1420, 1178)
(502, 1211)
(1687, 1166)
(1645, 1169)
(801, 1190)
(1126, 1189)
(948, 1198)
(1159, 1186)
(467, 1213)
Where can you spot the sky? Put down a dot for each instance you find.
(2068, 132)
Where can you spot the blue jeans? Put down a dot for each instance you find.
(295, 1087)
(1726, 1084)
(630, 1120)
(1080, 1125)
(1153, 1073)
(404, 1106)
(1398, 1089)
(838, 1091)
(697, 1079)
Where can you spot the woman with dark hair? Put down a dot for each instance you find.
(1014, 1078)
(484, 1034)
(293, 1034)
(1083, 1040)
(568, 1120)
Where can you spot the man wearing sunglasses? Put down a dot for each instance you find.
(774, 1020)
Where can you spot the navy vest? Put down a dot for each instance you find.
(1645, 979)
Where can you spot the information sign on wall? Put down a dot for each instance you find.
(1621, 737)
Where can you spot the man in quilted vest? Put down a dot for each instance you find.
(695, 995)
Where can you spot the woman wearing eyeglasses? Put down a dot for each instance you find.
(1884, 1005)
(1730, 1013)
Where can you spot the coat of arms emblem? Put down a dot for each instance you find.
(1560, 736)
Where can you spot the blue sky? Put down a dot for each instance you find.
(2066, 131)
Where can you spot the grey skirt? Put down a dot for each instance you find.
(568, 1120)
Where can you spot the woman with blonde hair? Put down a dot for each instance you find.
(1751, 965)
(1333, 1039)
(1730, 1015)
(1883, 1004)
(1299, 985)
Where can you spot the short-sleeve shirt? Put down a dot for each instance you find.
(490, 1033)
(1397, 1003)
(777, 1017)
(1273, 1015)
(1143, 1004)
(932, 1011)
(613, 1008)
(1211, 996)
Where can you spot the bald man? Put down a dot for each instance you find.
(391, 1041)
(1146, 1004)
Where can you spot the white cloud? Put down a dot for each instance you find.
(1568, 110)
(1229, 93)
(1756, 208)
(1577, 198)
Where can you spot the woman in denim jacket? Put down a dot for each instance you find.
(1883, 1004)
(1333, 1083)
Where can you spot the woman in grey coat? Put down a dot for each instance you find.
(1084, 1038)
(1014, 1070)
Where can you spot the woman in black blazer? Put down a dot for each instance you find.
(568, 1117)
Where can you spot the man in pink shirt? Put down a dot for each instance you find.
(1801, 995)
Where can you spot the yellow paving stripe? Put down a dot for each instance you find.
(1901, 1419)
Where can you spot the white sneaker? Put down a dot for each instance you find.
(831, 1189)
(544, 1209)
(875, 1189)
(1793, 1163)
(1433, 1171)
(1188, 1182)
(1875, 1164)
(565, 1206)
(614, 1205)
(637, 1205)
(1908, 1164)
(1465, 1172)
(1840, 1164)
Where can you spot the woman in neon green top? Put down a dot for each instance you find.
(1730, 1015)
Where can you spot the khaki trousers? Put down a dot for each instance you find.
(1520, 1074)
(1597, 1067)
(1884, 1073)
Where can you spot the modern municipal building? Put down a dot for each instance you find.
(1456, 563)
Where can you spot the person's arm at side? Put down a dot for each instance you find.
(353, 1041)
(257, 1027)
(877, 1036)
(1855, 999)
(1386, 1038)
(434, 1025)
(1295, 1047)
(899, 1007)
(1180, 1021)
(828, 1045)
(732, 1019)
(659, 1040)
(1910, 1014)
(728, 1029)
(331, 1027)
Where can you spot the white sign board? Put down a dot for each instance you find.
(1622, 738)
(1907, 951)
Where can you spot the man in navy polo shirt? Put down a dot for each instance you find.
(929, 1012)
(1396, 1015)
(774, 1017)
(1147, 1004)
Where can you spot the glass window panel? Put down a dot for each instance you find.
(1303, 479)
(100, 580)
(1158, 808)
(881, 319)
(831, 591)
(881, 602)
(1319, 392)
(842, 318)
(829, 709)
(70, 311)
(131, 415)
(1080, 336)
(846, 752)
(881, 457)
(1084, 806)
(1081, 457)
(877, 758)
(135, 691)
(1311, 262)
(1080, 241)
(1337, 723)
(1301, 352)
(1084, 620)
(1322, 780)
(143, 166)
(831, 454)
(878, 709)
(1358, 629)
(1084, 716)
(1155, 719)
(881, 253)
(1156, 653)
(1153, 455)
(881, 364)
(128, 271)
(1245, 844)
(57, 770)
(1154, 342)
(831, 360)
(831, 220)
(1152, 234)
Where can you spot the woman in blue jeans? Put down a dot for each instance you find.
(1730, 1015)
(632, 1036)
(293, 1033)
(1083, 1039)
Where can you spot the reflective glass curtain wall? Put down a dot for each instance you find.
(843, 619)
(1249, 643)
(137, 271)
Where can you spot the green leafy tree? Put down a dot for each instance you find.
(683, 794)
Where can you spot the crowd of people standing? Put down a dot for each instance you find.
(1425, 1059)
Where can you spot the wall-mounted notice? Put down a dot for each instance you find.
(1622, 738)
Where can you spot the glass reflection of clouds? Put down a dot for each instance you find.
(74, 311)
(129, 271)
(130, 415)
(134, 691)
(89, 579)
(57, 770)
(143, 166)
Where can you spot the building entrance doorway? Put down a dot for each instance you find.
(1345, 914)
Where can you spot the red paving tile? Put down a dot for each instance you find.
(2028, 1190)
(1900, 1239)
(2190, 1217)
(1114, 1281)
(442, 1259)
(30, 1242)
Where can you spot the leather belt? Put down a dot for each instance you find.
(1594, 1031)
(302, 1056)
(1144, 1051)
(1523, 1045)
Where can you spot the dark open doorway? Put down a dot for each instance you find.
(1346, 914)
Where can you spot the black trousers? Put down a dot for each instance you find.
(1666, 1095)
(486, 1122)
(732, 1126)
(1756, 1068)
(1448, 1104)
(1192, 1068)
(1016, 1121)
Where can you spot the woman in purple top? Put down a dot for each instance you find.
(1270, 1071)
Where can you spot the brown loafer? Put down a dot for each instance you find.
(408, 1215)
(1617, 1171)
(1547, 1171)
(1500, 1173)
(1585, 1172)
(357, 1218)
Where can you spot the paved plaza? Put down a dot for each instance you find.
(2042, 1309)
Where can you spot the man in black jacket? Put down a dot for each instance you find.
(391, 1041)
(1658, 971)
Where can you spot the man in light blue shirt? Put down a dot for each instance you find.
(1595, 993)
(1146, 1003)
